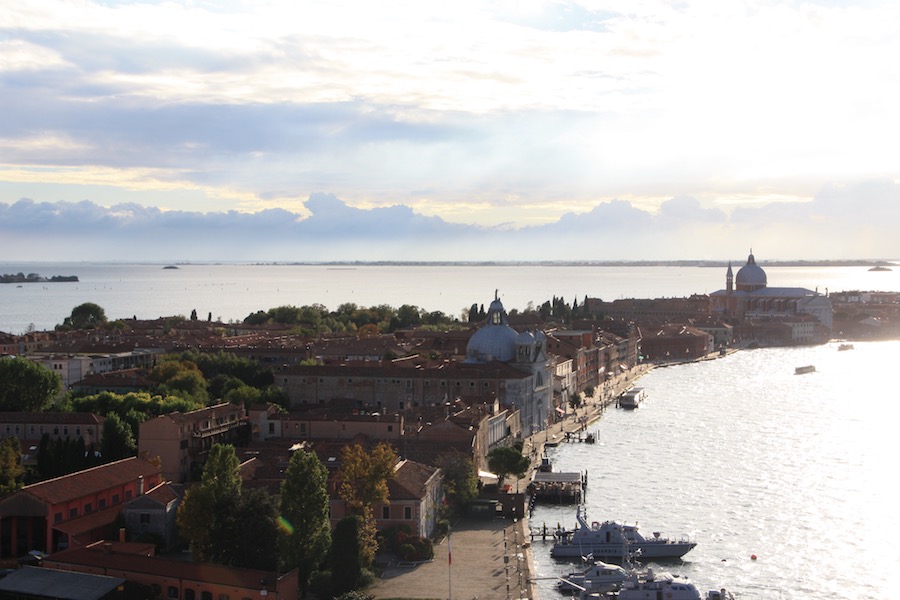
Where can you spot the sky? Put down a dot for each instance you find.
(475, 130)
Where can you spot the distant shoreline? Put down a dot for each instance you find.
(712, 263)
(33, 278)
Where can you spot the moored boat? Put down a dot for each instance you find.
(598, 578)
(651, 586)
(615, 542)
(631, 399)
(843, 347)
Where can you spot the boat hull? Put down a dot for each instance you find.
(616, 552)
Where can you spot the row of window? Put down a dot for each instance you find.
(89, 506)
(409, 383)
(386, 512)
(65, 430)
(190, 594)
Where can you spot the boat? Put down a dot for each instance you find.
(880, 268)
(805, 369)
(611, 541)
(598, 578)
(843, 347)
(632, 398)
(651, 585)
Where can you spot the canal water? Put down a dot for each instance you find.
(788, 483)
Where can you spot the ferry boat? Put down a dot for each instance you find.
(615, 542)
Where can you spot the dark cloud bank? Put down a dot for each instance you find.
(840, 223)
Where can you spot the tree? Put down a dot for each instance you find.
(256, 534)
(460, 479)
(118, 441)
(505, 460)
(85, 316)
(306, 527)
(346, 555)
(11, 469)
(26, 386)
(363, 485)
(207, 515)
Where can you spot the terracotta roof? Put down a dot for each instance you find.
(409, 480)
(106, 555)
(87, 523)
(89, 481)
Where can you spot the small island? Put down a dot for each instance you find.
(170, 267)
(35, 278)
(880, 268)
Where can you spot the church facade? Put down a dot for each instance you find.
(771, 315)
(496, 341)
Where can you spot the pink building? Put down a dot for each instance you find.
(72, 510)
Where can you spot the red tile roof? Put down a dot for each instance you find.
(90, 481)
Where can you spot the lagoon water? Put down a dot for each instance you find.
(230, 292)
(747, 458)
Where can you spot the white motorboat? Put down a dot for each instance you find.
(610, 541)
(598, 578)
(652, 586)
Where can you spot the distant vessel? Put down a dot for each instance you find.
(614, 541)
(804, 369)
(170, 267)
(880, 268)
(845, 347)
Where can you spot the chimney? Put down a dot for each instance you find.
(121, 534)
(140, 485)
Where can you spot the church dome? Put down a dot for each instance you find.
(751, 276)
(496, 340)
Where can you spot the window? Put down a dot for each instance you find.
(101, 503)
(385, 512)
(73, 512)
(190, 594)
(173, 592)
(128, 494)
(144, 518)
(115, 499)
(407, 512)
(390, 427)
(271, 427)
(88, 508)
(57, 517)
(204, 595)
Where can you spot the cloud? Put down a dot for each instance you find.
(330, 229)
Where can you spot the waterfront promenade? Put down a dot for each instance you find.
(491, 560)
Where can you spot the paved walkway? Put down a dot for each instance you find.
(491, 560)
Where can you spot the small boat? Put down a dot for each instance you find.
(844, 347)
(615, 542)
(632, 398)
(651, 586)
(598, 578)
(805, 369)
